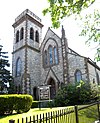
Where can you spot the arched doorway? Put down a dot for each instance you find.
(35, 93)
(52, 88)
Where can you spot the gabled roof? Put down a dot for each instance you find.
(93, 63)
(48, 32)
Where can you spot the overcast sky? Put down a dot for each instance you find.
(10, 9)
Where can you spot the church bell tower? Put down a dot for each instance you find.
(26, 52)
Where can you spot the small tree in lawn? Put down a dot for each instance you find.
(5, 76)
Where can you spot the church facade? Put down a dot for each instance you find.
(50, 63)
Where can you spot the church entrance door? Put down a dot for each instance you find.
(52, 88)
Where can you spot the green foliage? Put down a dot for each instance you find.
(59, 9)
(75, 94)
(19, 103)
(5, 76)
(35, 104)
(91, 30)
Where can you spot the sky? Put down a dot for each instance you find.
(10, 9)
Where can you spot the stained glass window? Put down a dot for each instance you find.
(78, 75)
(55, 55)
(50, 55)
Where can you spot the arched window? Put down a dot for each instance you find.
(21, 33)
(18, 67)
(31, 33)
(55, 55)
(45, 58)
(78, 75)
(37, 36)
(17, 36)
(50, 55)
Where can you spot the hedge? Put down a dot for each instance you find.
(20, 103)
(35, 104)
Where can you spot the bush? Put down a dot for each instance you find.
(35, 104)
(23, 103)
(75, 94)
(19, 103)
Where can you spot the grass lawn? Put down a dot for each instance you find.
(5, 119)
(85, 116)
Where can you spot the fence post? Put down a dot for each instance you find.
(76, 114)
(11, 121)
(98, 111)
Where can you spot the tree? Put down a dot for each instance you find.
(5, 76)
(91, 30)
(59, 9)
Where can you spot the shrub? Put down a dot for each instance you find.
(35, 104)
(75, 94)
(19, 103)
(23, 103)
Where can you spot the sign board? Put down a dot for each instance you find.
(44, 92)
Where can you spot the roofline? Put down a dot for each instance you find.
(93, 63)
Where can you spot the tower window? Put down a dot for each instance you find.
(18, 67)
(78, 75)
(21, 33)
(37, 36)
(31, 33)
(55, 55)
(17, 36)
(50, 55)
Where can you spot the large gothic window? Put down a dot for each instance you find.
(50, 55)
(21, 33)
(55, 55)
(17, 36)
(31, 33)
(37, 36)
(18, 67)
(78, 76)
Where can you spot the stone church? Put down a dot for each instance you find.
(50, 63)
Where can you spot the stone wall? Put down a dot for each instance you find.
(93, 71)
(33, 68)
(20, 54)
(56, 71)
(76, 62)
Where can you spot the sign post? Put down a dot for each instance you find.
(44, 93)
